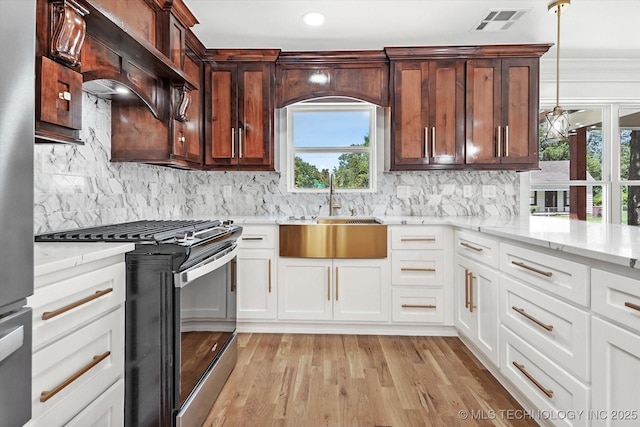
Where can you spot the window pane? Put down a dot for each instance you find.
(351, 170)
(630, 209)
(629, 144)
(330, 128)
(576, 201)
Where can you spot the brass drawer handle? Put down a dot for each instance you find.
(48, 394)
(336, 283)
(269, 275)
(535, 270)
(466, 245)
(49, 314)
(418, 306)
(506, 141)
(426, 142)
(417, 269)
(233, 143)
(632, 305)
(252, 238)
(533, 319)
(418, 239)
(547, 392)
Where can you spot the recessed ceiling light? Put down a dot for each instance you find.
(313, 18)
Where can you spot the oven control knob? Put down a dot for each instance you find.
(227, 222)
(184, 236)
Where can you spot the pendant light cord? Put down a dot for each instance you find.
(558, 59)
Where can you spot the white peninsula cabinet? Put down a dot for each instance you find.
(257, 286)
(78, 334)
(476, 282)
(615, 347)
(351, 290)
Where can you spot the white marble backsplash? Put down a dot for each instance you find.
(77, 186)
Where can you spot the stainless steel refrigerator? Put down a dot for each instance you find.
(17, 105)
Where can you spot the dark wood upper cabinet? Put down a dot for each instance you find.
(427, 114)
(362, 75)
(502, 105)
(465, 107)
(239, 111)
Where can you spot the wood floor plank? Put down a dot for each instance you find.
(289, 380)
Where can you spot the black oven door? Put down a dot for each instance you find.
(206, 350)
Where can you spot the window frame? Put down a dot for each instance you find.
(320, 105)
(611, 181)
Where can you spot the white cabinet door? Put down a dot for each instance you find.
(477, 305)
(256, 284)
(615, 375)
(305, 289)
(361, 290)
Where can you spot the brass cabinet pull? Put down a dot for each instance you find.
(547, 392)
(418, 306)
(632, 305)
(252, 238)
(466, 288)
(506, 141)
(467, 245)
(336, 283)
(328, 283)
(240, 141)
(471, 306)
(233, 143)
(499, 142)
(426, 142)
(433, 141)
(49, 314)
(535, 270)
(418, 239)
(48, 394)
(417, 269)
(64, 95)
(269, 272)
(533, 319)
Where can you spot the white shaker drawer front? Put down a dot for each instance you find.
(418, 305)
(557, 329)
(75, 370)
(257, 237)
(477, 247)
(67, 304)
(616, 297)
(106, 411)
(416, 237)
(545, 384)
(561, 277)
(417, 268)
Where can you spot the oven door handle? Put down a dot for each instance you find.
(205, 267)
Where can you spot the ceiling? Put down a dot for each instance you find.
(589, 28)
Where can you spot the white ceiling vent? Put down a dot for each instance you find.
(499, 20)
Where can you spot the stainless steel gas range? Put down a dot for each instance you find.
(180, 311)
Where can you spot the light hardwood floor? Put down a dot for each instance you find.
(354, 380)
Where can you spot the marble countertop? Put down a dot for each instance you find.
(618, 244)
(56, 256)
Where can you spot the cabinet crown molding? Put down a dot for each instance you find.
(323, 57)
(489, 51)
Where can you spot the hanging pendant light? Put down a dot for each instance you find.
(558, 119)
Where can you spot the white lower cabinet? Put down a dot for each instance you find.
(78, 349)
(615, 375)
(550, 388)
(476, 308)
(326, 289)
(257, 286)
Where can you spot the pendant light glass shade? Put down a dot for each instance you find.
(557, 120)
